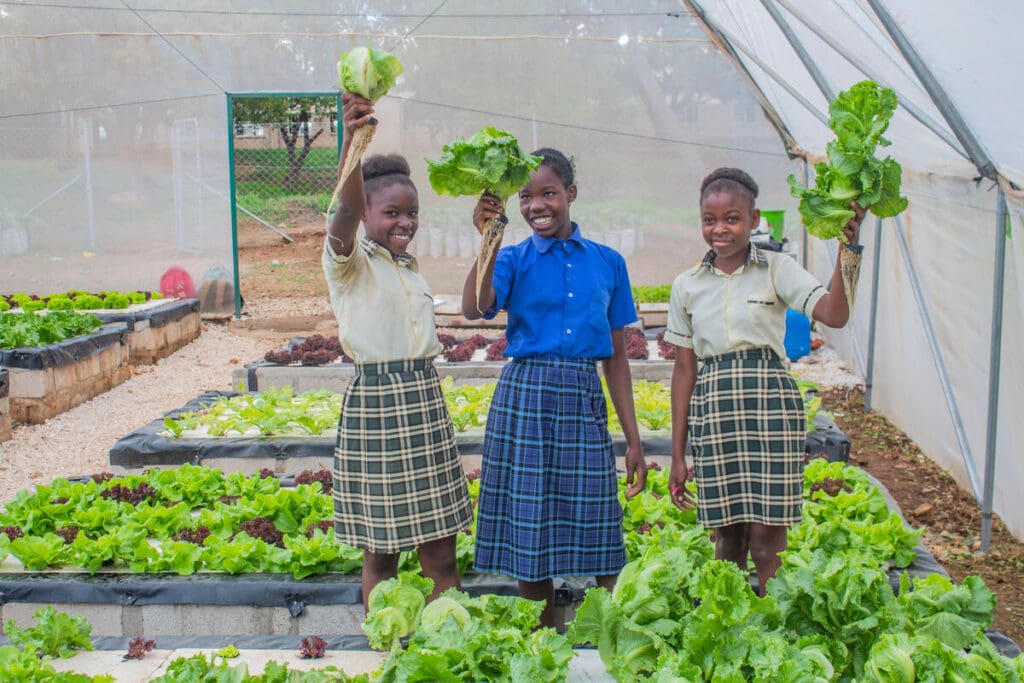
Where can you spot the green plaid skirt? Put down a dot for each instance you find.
(748, 433)
(398, 478)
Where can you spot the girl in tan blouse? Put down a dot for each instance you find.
(742, 411)
(398, 480)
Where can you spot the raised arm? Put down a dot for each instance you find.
(356, 111)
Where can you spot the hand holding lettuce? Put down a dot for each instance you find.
(489, 162)
(368, 73)
(858, 116)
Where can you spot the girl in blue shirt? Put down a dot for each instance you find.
(548, 503)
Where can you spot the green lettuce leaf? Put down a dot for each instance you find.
(490, 161)
(859, 117)
(368, 72)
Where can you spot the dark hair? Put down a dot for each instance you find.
(384, 170)
(559, 163)
(729, 180)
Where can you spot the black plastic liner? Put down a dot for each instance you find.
(147, 447)
(67, 352)
(158, 316)
(5, 383)
(213, 588)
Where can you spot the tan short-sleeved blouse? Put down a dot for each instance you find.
(714, 312)
(384, 308)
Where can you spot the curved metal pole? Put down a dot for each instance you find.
(940, 366)
(994, 366)
(865, 68)
(935, 90)
(798, 47)
(869, 375)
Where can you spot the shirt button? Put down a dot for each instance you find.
(568, 265)
(571, 295)
(569, 331)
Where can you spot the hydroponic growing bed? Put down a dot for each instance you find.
(49, 379)
(157, 328)
(287, 431)
(195, 552)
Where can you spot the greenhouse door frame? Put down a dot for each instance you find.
(231, 97)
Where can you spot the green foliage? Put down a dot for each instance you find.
(651, 294)
(55, 634)
(27, 330)
(217, 668)
(859, 117)
(368, 72)
(114, 300)
(459, 638)
(490, 161)
(88, 302)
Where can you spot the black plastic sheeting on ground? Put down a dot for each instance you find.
(216, 589)
(5, 383)
(67, 352)
(148, 447)
(158, 316)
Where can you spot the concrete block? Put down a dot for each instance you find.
(105, 619)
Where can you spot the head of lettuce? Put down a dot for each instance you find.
(368, 72)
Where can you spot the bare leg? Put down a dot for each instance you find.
(376, 568)
(607, 581)
(437, 558)
(733, 543)
(541, 590)
(766, 542)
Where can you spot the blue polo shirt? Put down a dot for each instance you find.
(563, 297)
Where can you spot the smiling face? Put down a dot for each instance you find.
(392, 216)
(727, 219)
(544, 203)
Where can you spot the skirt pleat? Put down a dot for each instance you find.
(548, 503)
(398, 478)
(748, 433)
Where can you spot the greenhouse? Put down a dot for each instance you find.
(140, 139)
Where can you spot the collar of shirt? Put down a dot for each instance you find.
(404, 259)
(544, 244)
(754, 255)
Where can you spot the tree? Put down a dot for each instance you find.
(294, 117)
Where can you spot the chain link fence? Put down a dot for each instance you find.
(285, 170)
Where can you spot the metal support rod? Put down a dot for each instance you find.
(869, 375)
(804, 246)
(994, 366)
(940, 366)
(935, 90)
(798, 47)
(865, 68)
(53, 194)
(90, 202)
(234, 203)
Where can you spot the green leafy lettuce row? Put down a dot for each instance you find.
(460, 638)
(28, 330)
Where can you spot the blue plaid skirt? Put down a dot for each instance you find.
(548, 503)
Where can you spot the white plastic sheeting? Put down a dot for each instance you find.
(114, 159)
(950, 227)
